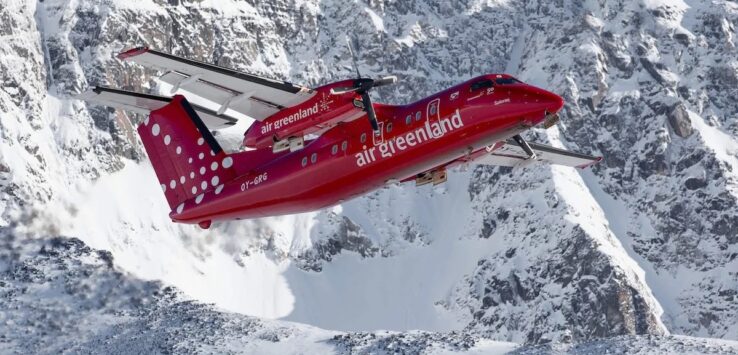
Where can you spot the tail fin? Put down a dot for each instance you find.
(186, 157)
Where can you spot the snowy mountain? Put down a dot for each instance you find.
(59, 295)
(643, 244)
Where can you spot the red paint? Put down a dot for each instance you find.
(260, 183)
(584, 166)
(323, 111)
(132, 52)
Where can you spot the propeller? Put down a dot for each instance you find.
(362, 86)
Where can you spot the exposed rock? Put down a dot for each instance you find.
(680, 122)
(667, 204)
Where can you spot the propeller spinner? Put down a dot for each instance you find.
(362, 86)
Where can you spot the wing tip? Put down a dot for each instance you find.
(88, 94)
(132, 52)
(593, 162)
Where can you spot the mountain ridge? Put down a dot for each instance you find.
(593, 254)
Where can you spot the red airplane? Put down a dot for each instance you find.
(313, 148)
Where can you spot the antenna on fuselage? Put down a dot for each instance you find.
(362, 87)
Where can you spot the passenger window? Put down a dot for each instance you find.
(389, 127)
(363, 138)
(417, 116)
(408, 119)
(304, 161)
(314, 158)
(344, 145)
(334, 149)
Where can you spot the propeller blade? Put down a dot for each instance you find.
(343, 90)
(353, 56)
(370, 111)
(387, 80)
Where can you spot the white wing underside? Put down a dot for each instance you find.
(144, 104)
(510, 154)
(227, 89)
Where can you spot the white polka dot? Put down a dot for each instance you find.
(155, 129)
(202, 171)
(214, 181)
(167, 139)
(189, 160)
(172, 184)
(146, 121)
(214, 166)
(204, 185)
(163, 187)
(201, 155)
(192, 175)
(200, 141)
(194, 190)
(181, 179)
(227, 162)
(199, 197)
(179, 150)
(219, 189)
(180, 208)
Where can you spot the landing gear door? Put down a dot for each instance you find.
(433, 111)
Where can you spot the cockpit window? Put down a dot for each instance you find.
(482, 84)
(507, 81)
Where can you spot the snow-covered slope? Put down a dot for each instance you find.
(645, 243)
(58, 295)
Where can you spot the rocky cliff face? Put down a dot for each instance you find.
(644, 243)
(59, 295)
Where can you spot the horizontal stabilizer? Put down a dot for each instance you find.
(510, 153)
(145, 103)
(247, 94)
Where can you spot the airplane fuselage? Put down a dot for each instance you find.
(348, 159)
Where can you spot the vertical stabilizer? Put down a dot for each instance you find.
(186, 157)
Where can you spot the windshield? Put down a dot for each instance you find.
(507, 81)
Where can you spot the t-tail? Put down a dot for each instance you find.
(187, 159)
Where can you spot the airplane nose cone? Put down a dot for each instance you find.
(556, 102)
(552, 102)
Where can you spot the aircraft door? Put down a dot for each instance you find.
(433, 110)
(378, 139)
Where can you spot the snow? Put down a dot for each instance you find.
(307, 341)
(487, 347)
(376, 20)
(588, 211)
(267, 287)
(207, 274)
(655, 4)
(65, 172)
(724, 146)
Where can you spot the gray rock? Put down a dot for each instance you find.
(680, 122)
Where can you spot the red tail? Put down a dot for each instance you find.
(186, 157)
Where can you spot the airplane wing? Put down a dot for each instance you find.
(144, 103)
(248, 94)
(509, 153)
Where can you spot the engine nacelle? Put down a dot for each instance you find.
(324, 111)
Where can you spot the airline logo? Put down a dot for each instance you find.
(431, 130)
(285, 121)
